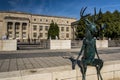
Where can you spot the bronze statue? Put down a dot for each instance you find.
(89, 48)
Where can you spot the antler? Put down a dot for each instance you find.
(95, 17)
(82, 12)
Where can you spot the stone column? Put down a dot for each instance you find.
(73, 33)
(7, 32)
(13, 30)
(21, 31)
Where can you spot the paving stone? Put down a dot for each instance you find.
(13, 65)
(20, 63)
(27, 63)
(40, 62)
(34, 63)
(5, 66)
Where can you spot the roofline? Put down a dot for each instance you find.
(35, 14)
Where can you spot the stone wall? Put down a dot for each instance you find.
(102, 43)
(110, 71)
(8, 45)
(59, 44)
(114, 43)
(99, 43)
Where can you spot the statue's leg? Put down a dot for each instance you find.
(98, 64)
(84, 67)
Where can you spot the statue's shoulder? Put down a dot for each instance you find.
(94, 39)
(84, 40)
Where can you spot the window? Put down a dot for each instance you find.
(41, 28)
(40, 19)
(41, 34)
(62, 28)
(67, 35)
(46, 20)
(46, 28)
(9, 26)
(34, 19)
(10, 36)
(23, 27)
(46, 34)
(17, 34)
(52, 20)
(24, 34)
(34, 34)
(67, 22)
(34, 27)
(17, 27)
(9, 32)
(67, 28)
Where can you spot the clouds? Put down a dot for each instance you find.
(36, 6)
(68, 8)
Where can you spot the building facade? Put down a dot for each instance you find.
(24, 26)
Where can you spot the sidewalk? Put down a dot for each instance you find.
(40, 59)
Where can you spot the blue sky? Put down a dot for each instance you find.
(68, 8)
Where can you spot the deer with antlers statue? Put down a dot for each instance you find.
(89, 47)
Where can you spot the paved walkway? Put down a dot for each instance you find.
(33, 59)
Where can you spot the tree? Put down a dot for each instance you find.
(112, 21)
(53, 31)
(80, 30)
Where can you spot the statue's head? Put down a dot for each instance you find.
(90, 25)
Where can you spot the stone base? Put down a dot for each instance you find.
(8, 45)
(59, 44)
(110, 71)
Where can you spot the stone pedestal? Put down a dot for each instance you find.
(59, 44)
(8, 45)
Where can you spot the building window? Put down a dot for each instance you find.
(46, 20)
(9, 32)
(41, 28)
(51, 20)
(34, 27)
(46, 28)
(17, 27)
(24, 28)
(24, 25)
(40, 19)
(67, 28)
(10, 36)
(67, 35)
(41, 34)
(24, 34)
(34, 34)
(46, 34)
(34, 19)
(9, 25)
(17, 34)
(67, 22)
(62, 28)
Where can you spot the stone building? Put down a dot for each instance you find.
(24, 26)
